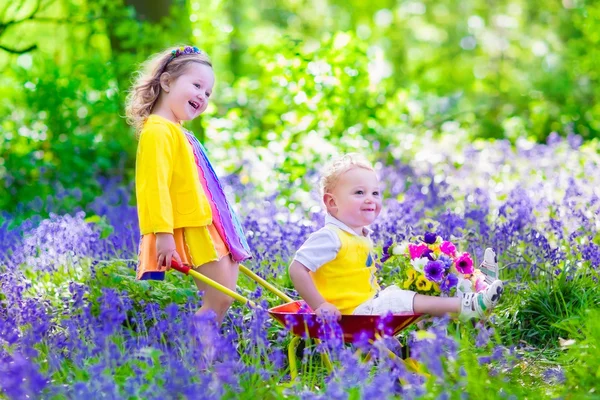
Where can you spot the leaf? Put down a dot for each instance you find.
(94, 219)
(422, 335)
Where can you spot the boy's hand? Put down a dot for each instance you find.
(166, 250)
(328, 309)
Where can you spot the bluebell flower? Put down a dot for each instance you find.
(430, 237)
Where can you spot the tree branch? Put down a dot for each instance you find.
(71, 21)
(19, 51)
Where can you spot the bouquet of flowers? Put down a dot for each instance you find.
(433, 266)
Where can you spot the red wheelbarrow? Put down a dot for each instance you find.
(304, 323)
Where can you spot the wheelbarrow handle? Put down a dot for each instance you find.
(184, 269)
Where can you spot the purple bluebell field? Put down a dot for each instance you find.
(74, 323)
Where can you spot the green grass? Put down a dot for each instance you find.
(537, 314)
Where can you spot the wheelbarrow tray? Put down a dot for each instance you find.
(302, 321)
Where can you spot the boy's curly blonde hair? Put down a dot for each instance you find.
(146, 84)
(336, 167)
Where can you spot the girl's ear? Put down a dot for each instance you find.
(165, 81)
(329, 201)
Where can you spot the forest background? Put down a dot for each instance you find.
(297, 81)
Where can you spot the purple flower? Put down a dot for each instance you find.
(429, 254)
(21, 377)
(430, 237)
(150, 331)
(450, 282)
(432, 351)
(386, 247)
(447, 261)
(483, 335)
(554, 375)
(434, 271)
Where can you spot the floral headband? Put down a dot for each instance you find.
(183, 50)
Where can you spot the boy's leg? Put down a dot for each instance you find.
(391, 299)
(471, 305)
(476, 305)
(489, 266)
(225, 271)
(436, 306)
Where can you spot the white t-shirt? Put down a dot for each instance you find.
(323, 245)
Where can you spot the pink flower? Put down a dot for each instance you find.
(480, 284)
(416, 250)
(448, 248)
(464, 264)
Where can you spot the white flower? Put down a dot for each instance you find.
(400, 249)
(464, 285)
(419, 263)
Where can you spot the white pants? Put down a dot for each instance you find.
(391, 299)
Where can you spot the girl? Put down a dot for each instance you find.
(182, 209)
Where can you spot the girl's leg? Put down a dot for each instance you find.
(225, 271)
(436, 306)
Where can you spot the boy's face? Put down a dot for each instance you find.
(355, 199)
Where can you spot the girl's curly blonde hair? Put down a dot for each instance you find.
(146, 84)
(335, 168)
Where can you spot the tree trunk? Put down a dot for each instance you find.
(236, 43)
(150, 11)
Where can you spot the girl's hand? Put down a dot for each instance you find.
(328, 309)
(166, 250)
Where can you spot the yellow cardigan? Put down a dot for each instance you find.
(169, 193)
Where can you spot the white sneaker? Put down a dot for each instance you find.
(476, 305)
(489, 266)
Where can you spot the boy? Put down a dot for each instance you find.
(333, 270)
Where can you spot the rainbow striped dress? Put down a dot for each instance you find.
(199, 245)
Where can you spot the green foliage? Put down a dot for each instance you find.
(64, 127)
(538, 313)
(583, 372)
(480, 383)
(303, 89)
(104, 227)
(68, 134)
(295, 81)
(53, 285)
(118, 275)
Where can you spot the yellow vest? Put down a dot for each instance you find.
(167, 186)
(348, 280)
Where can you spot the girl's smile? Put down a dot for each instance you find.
(186, 97)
